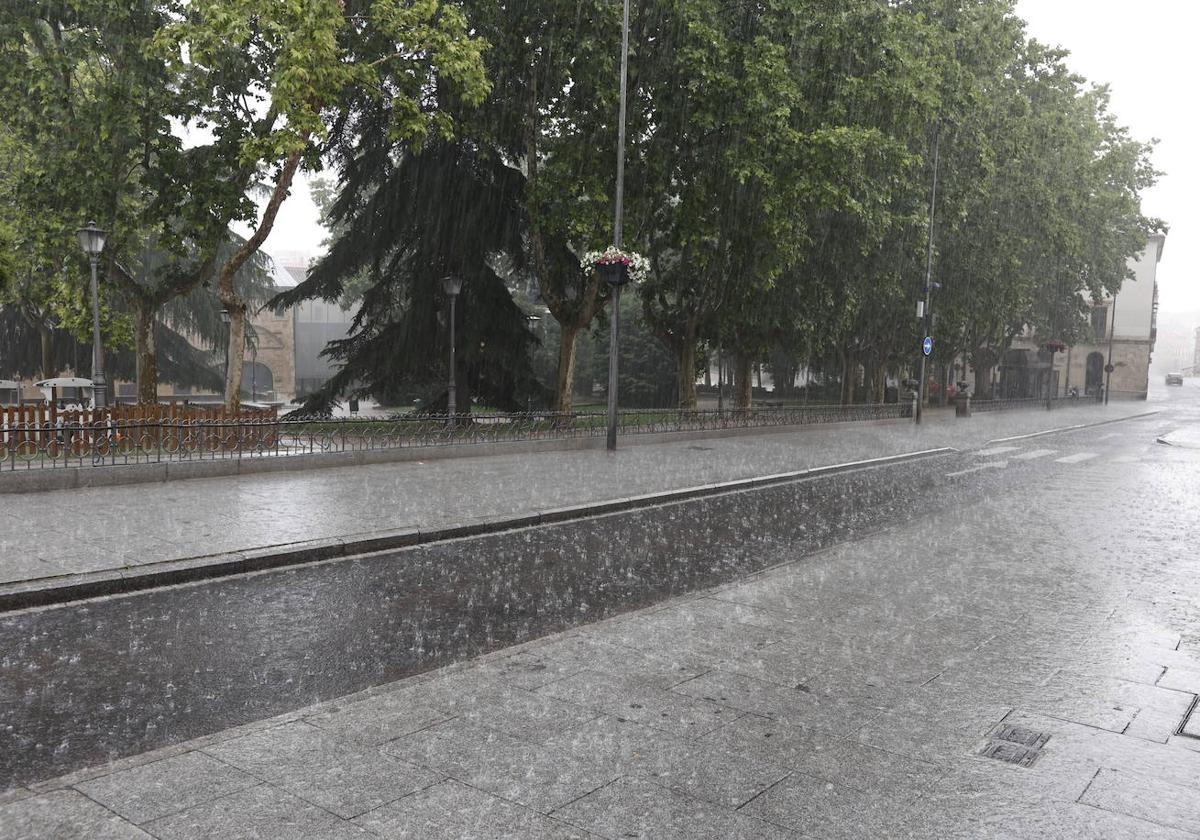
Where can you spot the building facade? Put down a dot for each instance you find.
(1124, 328)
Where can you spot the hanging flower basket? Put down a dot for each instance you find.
(617, 267)
(1054, 346)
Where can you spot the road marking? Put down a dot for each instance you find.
(1076, 458)
(990, 465)
(1037, 453)
(1109, 436)
(1126, 459)
(996, 450)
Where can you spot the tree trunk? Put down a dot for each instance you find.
(685, 357)
(236, 352)
(229, 297)
(49, 369)
(849, 377)
(564, 385)
(983, 382)
(743, 383)
(147, 361)
(881, 383)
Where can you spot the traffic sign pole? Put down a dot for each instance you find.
(926, 310)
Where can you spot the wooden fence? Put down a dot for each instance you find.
(44, 429)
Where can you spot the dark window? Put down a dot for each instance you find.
(1100, 322)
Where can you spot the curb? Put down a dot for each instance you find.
(54, 591)
(1074, 428)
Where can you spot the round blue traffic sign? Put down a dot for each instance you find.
(927, 345)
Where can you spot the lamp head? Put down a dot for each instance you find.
(91, 239)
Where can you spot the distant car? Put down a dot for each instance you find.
(1174, 378)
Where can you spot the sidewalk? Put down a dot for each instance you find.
(46, 536)
(849, 694)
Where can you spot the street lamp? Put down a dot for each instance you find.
(225, 320)
(1052, 346)
(614, 278)
(91, 240)
(451, 285)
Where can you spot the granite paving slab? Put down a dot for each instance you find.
(451, 810)
(336, 775)
(165, 787)
(64, 813)
(258, 813)
(638, 808)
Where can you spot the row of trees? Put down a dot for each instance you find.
(163, 120)
(780, 162)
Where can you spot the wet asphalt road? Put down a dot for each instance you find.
(81, 684)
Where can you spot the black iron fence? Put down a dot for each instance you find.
(1008, 404)
(26, 445)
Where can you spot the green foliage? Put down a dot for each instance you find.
(648, 378)
(780, 161)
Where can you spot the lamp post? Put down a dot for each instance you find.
(1108, 366)
(225, 320)
(91, 240)
(619, 212)
(451, 285)
(1052, 347)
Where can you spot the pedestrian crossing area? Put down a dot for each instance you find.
(1000, 457)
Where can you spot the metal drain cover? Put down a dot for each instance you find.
(1010, 752)
(1191, 721)
(1014, 744)
(1019, 735)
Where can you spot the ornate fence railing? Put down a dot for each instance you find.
(1009, 404)
(74, 443)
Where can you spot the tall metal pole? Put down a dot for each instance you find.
(99, 385)
(720, 380)
(928, 323)
(614, 333)
(451, 386)
(1108, 367)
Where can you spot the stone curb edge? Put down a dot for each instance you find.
(1074, 428)
(48, 592)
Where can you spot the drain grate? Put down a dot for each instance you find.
(1014, 744)
(1010, 752)
(1190, 726)
(1019, 735)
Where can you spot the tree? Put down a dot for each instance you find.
(275, 76)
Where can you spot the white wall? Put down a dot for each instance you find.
(1135, 301)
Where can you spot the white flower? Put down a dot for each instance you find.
(639, 266)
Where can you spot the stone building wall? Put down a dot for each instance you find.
(1131, 367)
(276, 350)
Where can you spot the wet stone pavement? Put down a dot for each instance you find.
(142, 525)
(1042, 603)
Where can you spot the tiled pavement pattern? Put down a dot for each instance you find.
(842, 695)
(150, 523)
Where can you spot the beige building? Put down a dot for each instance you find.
(1125, 329)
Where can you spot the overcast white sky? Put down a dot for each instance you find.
(1146, 51)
